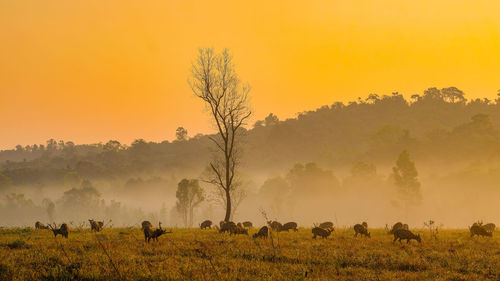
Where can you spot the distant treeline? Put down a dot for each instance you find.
(438, 126)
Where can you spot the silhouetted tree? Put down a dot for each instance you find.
(189, 195)
(214, 80)
(112, 146)
(372, 98)
(271, 120)
(452, 94)
(181, 134)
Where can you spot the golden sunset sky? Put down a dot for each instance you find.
(91, 71)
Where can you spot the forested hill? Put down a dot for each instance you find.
(440, 126)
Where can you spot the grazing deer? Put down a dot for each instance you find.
(323, 233)
(152, 233)
(361, 229)
(263, 232)
(238, 229)
(405, 235)
(63, 230)
(39, 225)
(289, 225)
(276, 226)
(247, 224)
(206, 224)
(479, 230)
(226, 226)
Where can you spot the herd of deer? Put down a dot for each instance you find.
(399, 230)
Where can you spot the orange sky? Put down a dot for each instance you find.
(90, 71)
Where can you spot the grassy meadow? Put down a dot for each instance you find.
(194, 254)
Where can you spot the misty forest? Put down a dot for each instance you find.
(432, 155)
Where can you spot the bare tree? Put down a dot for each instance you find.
(214, 80)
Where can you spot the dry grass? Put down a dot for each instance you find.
(193, 254)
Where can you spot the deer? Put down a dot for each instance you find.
(96, 225)
(206, 224)
(152, 233)
(226, 226)
(404, 234)
(321, 232)
(276, 226)
(479, 230)
(247, 224)
(490, 227)
(39, 225)
(361, 229)
(63, 230)
(398, 225)
(145, 224)
(289, 225)
(238, 229)
(263, 232)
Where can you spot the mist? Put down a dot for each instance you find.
(333, 164)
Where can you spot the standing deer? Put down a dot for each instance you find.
(63, 230)
(152, 233)
(96, 225)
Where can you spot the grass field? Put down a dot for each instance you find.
(193, 254)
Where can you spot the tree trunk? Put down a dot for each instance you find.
(228, 206)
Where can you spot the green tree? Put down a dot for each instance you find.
(405, 177)
(189, 195)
